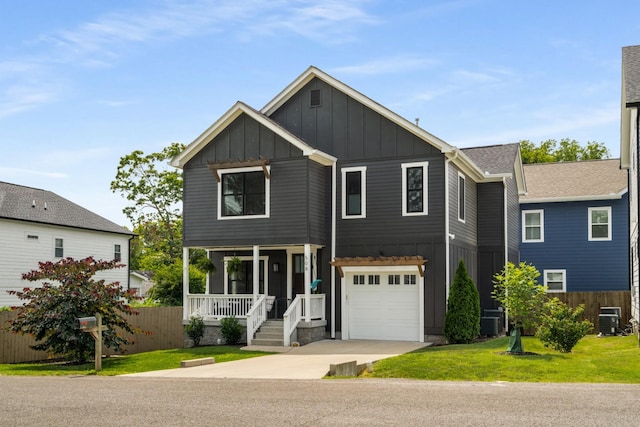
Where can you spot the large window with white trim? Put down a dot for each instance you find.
(555, 280)
(243, 193)
(414, 188)
(354, 195)
(600, 223)
(533, 226)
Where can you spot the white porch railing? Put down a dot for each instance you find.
(291, 318)
(219, 306)
(256, 316)
(295, 314)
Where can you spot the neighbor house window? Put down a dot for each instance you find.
(59, 248)
(600, 223)
(243, 193)
(117, 253)
(354, 198)
(555, 280)
(461, 197)
(414, 188)
(533, 226)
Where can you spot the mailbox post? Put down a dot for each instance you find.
(93, 325)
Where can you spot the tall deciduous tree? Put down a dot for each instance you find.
(69, 291)
(155, 192)
(568, 150)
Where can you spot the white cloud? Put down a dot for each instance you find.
(21, 172)
(390, 65)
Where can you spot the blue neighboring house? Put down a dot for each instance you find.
(574, 225)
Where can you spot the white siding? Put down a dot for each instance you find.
(20, 254)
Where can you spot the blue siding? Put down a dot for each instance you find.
(589, 265)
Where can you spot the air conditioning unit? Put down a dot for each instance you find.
(608, 324)
(612, 310)
(489, 326)
(496, 313)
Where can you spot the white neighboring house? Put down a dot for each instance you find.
(38, 225)
(141, 282)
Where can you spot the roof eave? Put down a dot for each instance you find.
(588, 198)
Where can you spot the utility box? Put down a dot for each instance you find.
(489, 326)
(608, 324)
(87, 323)
(612, 310)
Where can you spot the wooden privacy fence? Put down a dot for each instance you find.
(594, 300)
(164, 323)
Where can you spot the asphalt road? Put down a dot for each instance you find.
(119, 401)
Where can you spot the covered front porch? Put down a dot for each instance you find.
(270, 282)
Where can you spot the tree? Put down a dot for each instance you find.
(155, 193)
(462, 320)
(167, 289)
(569, 150)
(561, 327)
(523, 298)
(68, 292)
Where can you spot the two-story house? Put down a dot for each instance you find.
(38, 225)
(324, 184)
(574, 225)
(629, 152)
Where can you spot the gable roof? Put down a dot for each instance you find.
(18, 202)
(574, 181)
(233, 113)
(630, 98)
(499, 160)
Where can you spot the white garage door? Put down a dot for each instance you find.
(383, 306)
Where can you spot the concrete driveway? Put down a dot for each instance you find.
(307, 362)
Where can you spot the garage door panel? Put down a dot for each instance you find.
(383, 312)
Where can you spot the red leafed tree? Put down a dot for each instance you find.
(69, 291)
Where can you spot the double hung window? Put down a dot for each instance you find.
(533, 226)
(600, 223)
(354, 196)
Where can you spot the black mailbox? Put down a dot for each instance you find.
(87, 323)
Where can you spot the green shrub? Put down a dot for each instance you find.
(462, 320)
(561, 327)
(231, 330)
(195, 329)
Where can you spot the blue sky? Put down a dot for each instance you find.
(83, 83)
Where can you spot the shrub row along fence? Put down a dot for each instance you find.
(164, 323)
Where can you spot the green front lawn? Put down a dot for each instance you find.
(129, 364)
(598, 360)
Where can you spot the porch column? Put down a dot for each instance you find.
(185, 283)
(307, 282)
(256, 272)
(289, 270)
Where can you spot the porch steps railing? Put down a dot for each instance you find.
(270, 334)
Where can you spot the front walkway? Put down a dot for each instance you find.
(310, 361)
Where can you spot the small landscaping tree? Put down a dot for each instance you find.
(519, 292)
(231, 330)
(561, 327)
(195, 329)
(462, 321)
(68, 292)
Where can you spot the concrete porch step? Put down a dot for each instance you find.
(270, 333)
(267, 342)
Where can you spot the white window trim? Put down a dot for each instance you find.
(590, 219)
(564, 280)
(363, 191)
(425, 189)
(524, 226)
(56, 247)
(267, 193)
(464, 179)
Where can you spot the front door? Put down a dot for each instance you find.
(297, 274)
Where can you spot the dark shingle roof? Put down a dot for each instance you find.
(631, 73)
(586, 180)
(34, 205)
(494, 158)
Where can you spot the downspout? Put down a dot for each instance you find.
(333, 247)
(447, 255)
(506, 239)
(185, 283)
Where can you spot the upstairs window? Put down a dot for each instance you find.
(243, 193)
(461, 197)
(414, 188)
(354, 198)
(600, 223)
(533, 226)
(117, 253)
(59, 248)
